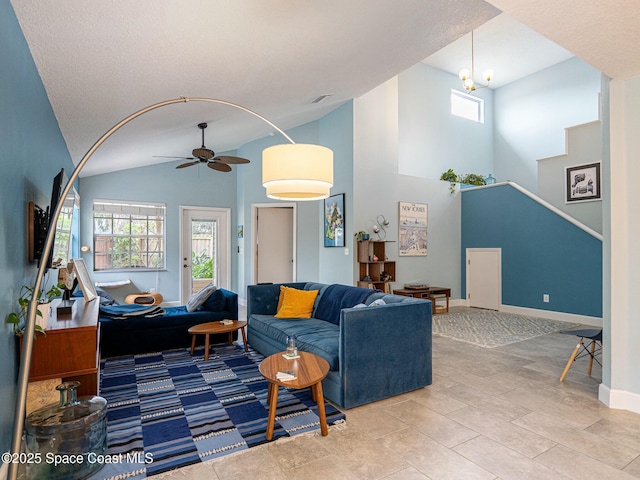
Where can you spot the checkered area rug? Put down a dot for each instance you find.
(169, 409)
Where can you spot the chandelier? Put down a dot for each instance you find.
(467, 76)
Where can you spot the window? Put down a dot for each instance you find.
(128, 235)
(467, 106)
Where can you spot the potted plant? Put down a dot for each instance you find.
(361, 235)
(473, 179)
(42, 312)
(451, 177)
(467, 179)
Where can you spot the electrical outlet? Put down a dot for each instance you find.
(545, 298)
(346, 251)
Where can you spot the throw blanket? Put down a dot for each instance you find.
(122, 312)
(336, 297)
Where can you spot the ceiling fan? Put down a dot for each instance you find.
(204, 155)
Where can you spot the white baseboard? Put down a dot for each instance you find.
(550, 315)
(619, 399)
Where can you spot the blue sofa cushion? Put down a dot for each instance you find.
(314, 336)
(336, 297)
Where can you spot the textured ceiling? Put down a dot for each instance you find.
(101, 61)
(604, 33)
(512, 50)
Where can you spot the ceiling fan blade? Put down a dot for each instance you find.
(203, 153)
(177, 158)
(188, 164)
(221, 167)
(231, 160)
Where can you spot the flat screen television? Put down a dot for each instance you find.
(56, 190)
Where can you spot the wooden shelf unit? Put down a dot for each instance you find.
(70, 348)
(367, 250)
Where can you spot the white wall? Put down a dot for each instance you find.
(584, 145)
(621, 382)
(431, 139)
(530, 116)
(378, 187)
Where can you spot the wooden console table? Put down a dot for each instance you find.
(430, 293)
(69, 350)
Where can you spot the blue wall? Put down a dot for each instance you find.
(32, 152)
(541, 251)
(194, 186)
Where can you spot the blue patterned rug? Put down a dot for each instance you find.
(169, 409)
(489, 329)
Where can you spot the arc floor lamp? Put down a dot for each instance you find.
(294, 172)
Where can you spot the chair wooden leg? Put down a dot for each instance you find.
(571, 359)
(593, 350)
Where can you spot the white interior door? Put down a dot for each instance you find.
(484, 278)
(274, 246)
(204, 250)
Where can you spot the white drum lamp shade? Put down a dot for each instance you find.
(297, 171)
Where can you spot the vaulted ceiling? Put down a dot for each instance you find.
(101, 61)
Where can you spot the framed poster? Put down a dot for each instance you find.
(582, 183)
(334, 221)
(412, 229)
(82, 274)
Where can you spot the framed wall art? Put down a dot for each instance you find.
(582, 183)
(334, 224)
(412, 229)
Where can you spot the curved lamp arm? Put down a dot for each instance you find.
(27, 342)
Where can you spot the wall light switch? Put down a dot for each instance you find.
(346, 251)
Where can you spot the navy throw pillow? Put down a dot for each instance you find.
(215, 302)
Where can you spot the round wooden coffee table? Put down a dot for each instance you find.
(210, 328)
(309, 369)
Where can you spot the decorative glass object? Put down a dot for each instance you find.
(490, 179)
(72, 429)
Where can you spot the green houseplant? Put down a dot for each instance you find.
(468, 179)
(25, 296)
(451, 177)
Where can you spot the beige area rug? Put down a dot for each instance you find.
(489, 329)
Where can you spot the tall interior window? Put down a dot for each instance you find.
(467, 106)
(128, 235)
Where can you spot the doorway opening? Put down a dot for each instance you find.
(205, 249)
(274, 243)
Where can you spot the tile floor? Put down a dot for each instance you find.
(498, 413)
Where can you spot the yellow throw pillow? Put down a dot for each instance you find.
(294, 303)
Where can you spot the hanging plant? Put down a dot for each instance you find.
(451, 177)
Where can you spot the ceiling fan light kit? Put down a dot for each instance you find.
(297, 171)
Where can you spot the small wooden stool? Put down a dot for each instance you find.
(144, 298)
(439, 308)
(207, 329)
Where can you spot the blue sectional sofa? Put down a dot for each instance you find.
(165, 332)
(374, 352)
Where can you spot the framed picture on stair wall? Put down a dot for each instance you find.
(582, 183)
(412, 229)
(334, 224)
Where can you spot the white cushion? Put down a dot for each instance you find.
(199, 298)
